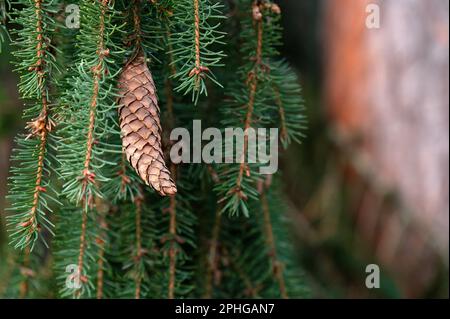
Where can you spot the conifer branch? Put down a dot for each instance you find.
(198, 69)
(285, 276)
(287, 103)
(88, 176)
(254, 70)
(174, 171)
(178, 216)
(30, 178)
(193, 40)
(101, 245)
(97, 71)
(277, 266)
(137, 23)
(40, 126)
(251, 290)
(82, 250)
(84, 147)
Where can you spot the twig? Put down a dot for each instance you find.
(277, 266)
(42, 124)
(252, 83)
(88, 176)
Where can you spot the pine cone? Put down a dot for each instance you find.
(140, 125)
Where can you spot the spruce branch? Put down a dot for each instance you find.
(120, 239)
(101, 242)
(88, 177)
(266, 95)
(176, 235)
(286, 275)
(277, 266)
(288, 103)
(235, 194)
(29, 184)
(89, 124)
(194, 39)
(82, 250)
(213, 256)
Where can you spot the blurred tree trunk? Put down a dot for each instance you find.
(387, 92)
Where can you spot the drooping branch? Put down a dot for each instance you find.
(193, 42)
(277, 266)
(26, 225)
(81, 251)
(97, 74)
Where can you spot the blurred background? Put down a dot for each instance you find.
(370, 183)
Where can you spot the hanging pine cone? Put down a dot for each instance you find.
(140, 125)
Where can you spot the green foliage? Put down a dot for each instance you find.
(114, 236)
(134, 247)
(88, 112)
(67, 253)
(4, 35)
(265, 93)
(290, 112)
(195, 34)
(31, 193)
(27, 274)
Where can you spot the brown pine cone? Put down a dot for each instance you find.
(140, 125)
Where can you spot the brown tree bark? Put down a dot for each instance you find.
(387, 94)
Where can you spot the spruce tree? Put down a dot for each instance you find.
(89, 214)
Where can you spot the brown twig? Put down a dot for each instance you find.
(174, 171)
(137, 23)
(42, 124)
(252, 83)
(250, 290)
(277, 266)
(101, 253)
(87, 175)
(199, 69)
(102, 52)
(281, 112)
(169, 85)
(82, 250)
